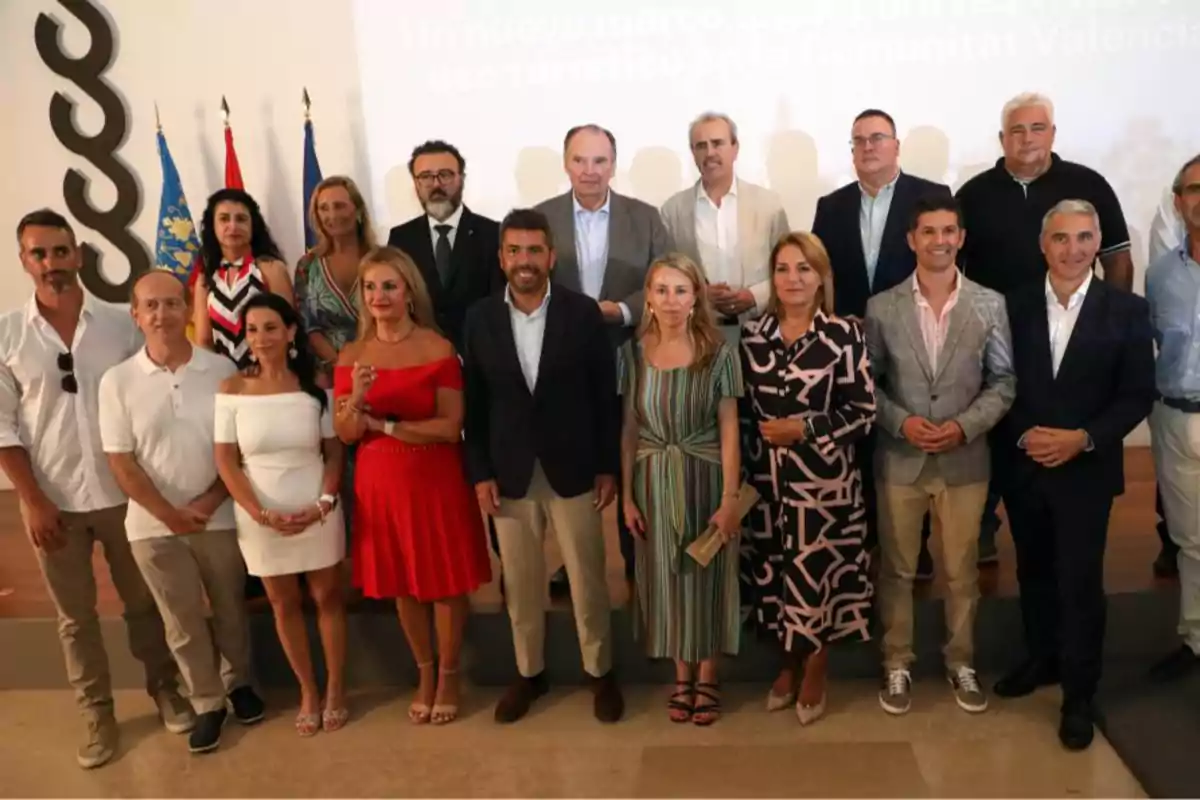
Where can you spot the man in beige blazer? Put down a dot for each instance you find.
(725, 224)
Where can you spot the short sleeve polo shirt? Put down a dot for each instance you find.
(1003, 220)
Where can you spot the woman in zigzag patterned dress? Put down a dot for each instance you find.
(241, 260)
(809, 398)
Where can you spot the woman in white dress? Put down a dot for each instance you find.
(277, 454)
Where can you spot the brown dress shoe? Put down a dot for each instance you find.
(519, 698)
(608, 705)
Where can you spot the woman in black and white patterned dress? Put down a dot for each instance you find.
(809, 398)
(241, 260)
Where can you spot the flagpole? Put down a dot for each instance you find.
(157, 119)
(307, 105)
(225, 110)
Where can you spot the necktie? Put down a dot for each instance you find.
(441, 252)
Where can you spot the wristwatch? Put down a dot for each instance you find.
(389, 426)
(329, 498)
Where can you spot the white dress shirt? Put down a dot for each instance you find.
(591, 249)
(60, 430)
(453, 221)
(1062, 320)
(717, 236)
(166, 420)
(528, 332)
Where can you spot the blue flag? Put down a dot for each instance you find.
(176, 245)
(312, 176)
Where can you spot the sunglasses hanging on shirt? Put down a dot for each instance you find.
(66, 362)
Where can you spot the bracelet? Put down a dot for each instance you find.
(262, 516)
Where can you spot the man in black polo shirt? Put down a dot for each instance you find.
(1002, 213)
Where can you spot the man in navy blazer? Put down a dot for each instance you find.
(1083, 351)
(864, 227)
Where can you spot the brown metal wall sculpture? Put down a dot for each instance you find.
(87, 72)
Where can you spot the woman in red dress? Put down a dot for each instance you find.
(417, 535)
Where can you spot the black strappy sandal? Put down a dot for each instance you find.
(682, 700)
(711, 709)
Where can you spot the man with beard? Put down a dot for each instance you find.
(543, 446)
(53, 353)
(608, 241)
(726, 224)
(454, 247)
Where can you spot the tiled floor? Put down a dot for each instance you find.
(560, 751)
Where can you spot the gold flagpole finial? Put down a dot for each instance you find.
(307, 104)
(225, 110)
(157, 119)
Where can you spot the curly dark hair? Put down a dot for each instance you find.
(303, 364)
(261, 242)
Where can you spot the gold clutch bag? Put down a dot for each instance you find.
(709, 543)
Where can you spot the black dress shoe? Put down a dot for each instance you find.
(206, 735)
(520, 696)
(1077, 728)
(560, 586)
(248, 707)
(609, 704)
(1178, 664)
(1026, 679)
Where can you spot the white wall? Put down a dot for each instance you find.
(505, 80)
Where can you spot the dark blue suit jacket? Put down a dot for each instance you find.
(837, 225)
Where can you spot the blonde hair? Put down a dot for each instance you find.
(366, 231)
(420, 307)
(817, 257)
(702, 325)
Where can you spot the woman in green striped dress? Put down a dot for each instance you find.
(680, 462)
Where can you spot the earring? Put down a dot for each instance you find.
(292, 352)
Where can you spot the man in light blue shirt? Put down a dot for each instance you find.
(615, 239)
(1173, 290)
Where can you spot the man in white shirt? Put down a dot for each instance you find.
(156, 423)
(725, 224)
(53, 353)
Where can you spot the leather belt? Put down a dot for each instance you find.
(1180, 404)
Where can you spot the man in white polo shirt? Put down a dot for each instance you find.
(156, 424)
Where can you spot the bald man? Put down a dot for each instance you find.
(156, 425)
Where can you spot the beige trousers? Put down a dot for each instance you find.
(520, 532)
(188, 575)
(72, 585)
(1175, 442)
(955, 512)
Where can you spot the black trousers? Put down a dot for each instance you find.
(1060, 541)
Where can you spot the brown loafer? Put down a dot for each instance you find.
(608, 704)
(519, 697)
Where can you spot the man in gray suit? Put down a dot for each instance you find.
(605, 243)
(941, 351)
(726, 224)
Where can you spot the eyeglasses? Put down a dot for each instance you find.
(441, 176)
(66, 362)
(875, 139)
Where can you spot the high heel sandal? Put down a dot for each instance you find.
(334, 719)
(419, 713)
(444, 713)
(707, 713)
(683, 700)
(308, 724)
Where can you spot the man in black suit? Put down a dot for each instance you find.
(1084, 357)
(864, 227)
(454, 247)
(542, 442)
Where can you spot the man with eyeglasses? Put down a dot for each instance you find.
(53, 353)
(456, 249)
(864, 227)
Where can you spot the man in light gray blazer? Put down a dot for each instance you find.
(604, 243)
(726, 225)
(941, 351)
(604, 240)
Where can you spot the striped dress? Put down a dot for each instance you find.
(681, 610)
(232, 287)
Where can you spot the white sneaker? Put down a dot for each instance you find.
(176, 713)
(967, 691)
